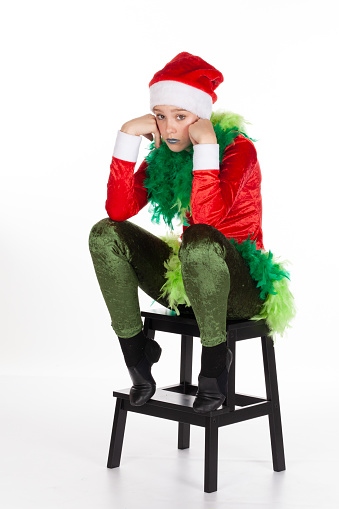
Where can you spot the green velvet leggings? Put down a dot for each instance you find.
(216, 278)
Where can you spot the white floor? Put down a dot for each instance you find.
(55, 436)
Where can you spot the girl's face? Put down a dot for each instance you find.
(173, 124)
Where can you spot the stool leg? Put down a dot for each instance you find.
(150, 333)
(183, 435)
(230, 395)
(117, 437)
(185, 378)
(211, 455)
(277, 443)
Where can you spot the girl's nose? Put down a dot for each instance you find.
(170, 127)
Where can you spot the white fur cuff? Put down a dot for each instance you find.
(206, 156)
(127, 147)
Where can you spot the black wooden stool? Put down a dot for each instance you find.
(175, 402)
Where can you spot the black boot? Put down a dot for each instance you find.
(144, 384)
(212, 391)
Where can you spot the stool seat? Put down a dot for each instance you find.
(175, 402)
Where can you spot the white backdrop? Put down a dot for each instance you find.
(72, 73)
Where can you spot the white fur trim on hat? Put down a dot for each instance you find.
(174, 93)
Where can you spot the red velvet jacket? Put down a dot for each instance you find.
(228, 199)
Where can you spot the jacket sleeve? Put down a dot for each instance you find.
(126, 194)
(214, 189)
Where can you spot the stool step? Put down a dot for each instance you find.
(183, 396)
(184, 388)
(164, 398)
(178, 406)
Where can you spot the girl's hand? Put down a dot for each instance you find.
(143, 126)
(202, 132)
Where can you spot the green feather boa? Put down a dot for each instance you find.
(272, 278)
(169, 174)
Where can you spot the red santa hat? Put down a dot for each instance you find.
(187, 82)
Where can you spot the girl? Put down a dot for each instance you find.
(202, 168)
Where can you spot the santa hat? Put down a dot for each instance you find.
(187, 82)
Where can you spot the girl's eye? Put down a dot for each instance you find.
(161, 117)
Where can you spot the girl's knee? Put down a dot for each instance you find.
(197, 233)
(101, 231)
(200, 240)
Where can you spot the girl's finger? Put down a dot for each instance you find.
(157, 139)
